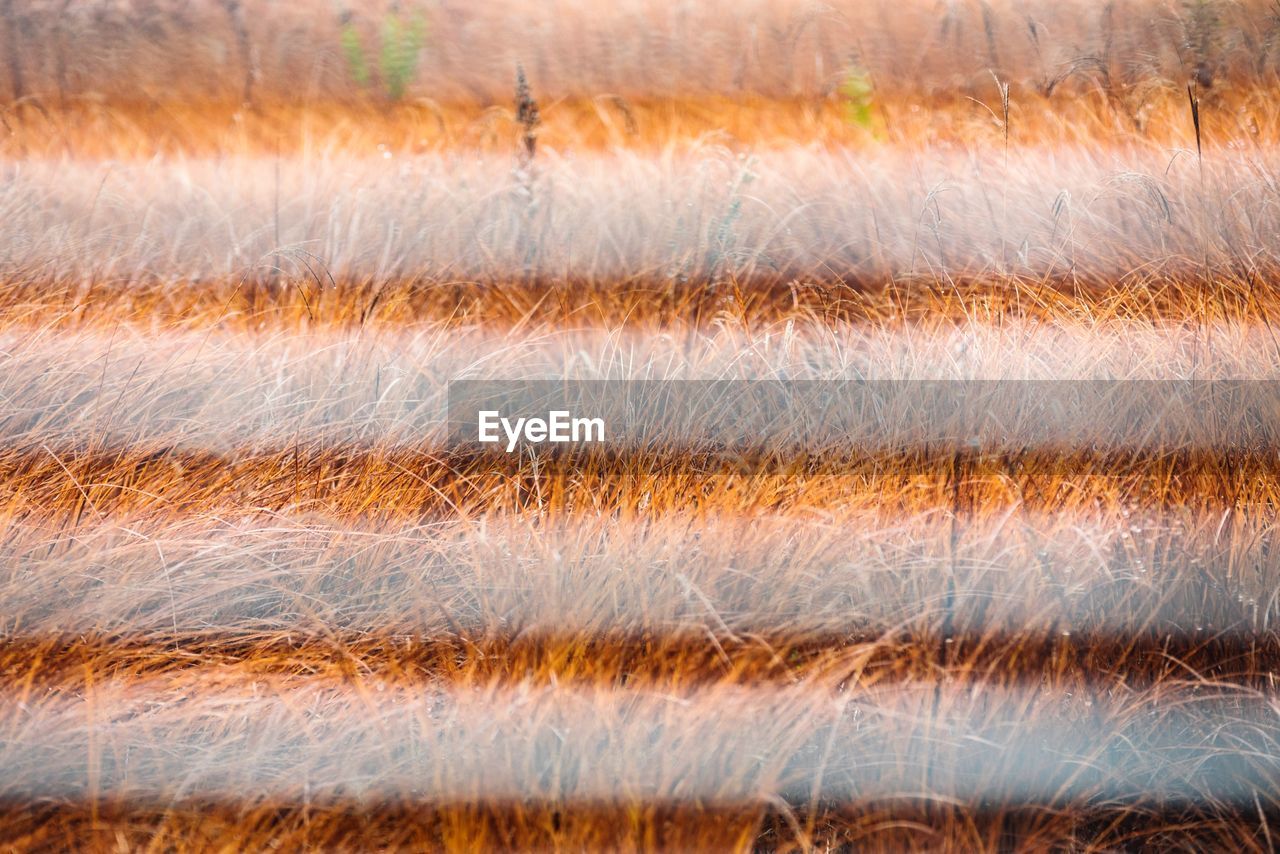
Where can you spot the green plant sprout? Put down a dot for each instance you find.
(856, 91)
(353, 50)
(400, 41)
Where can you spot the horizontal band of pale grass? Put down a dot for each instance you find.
(227, 736)
(691, 219)
(217, 391)
(1193, 574)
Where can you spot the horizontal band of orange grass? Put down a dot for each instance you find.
(291, 301)
(71, 484)
(678, 827)
(139, 129)
(659, 661)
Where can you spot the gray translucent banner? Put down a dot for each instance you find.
(771, 417)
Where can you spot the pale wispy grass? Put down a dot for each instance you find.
(847, 572)
(224, 735)
(220, 391)
(684, 218)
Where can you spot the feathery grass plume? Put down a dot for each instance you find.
(1193, 100)
(527, 117)
(628, 116)
(989, 28)
(1200, 27)
(1003, 87)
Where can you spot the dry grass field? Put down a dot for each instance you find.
(253, 596)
